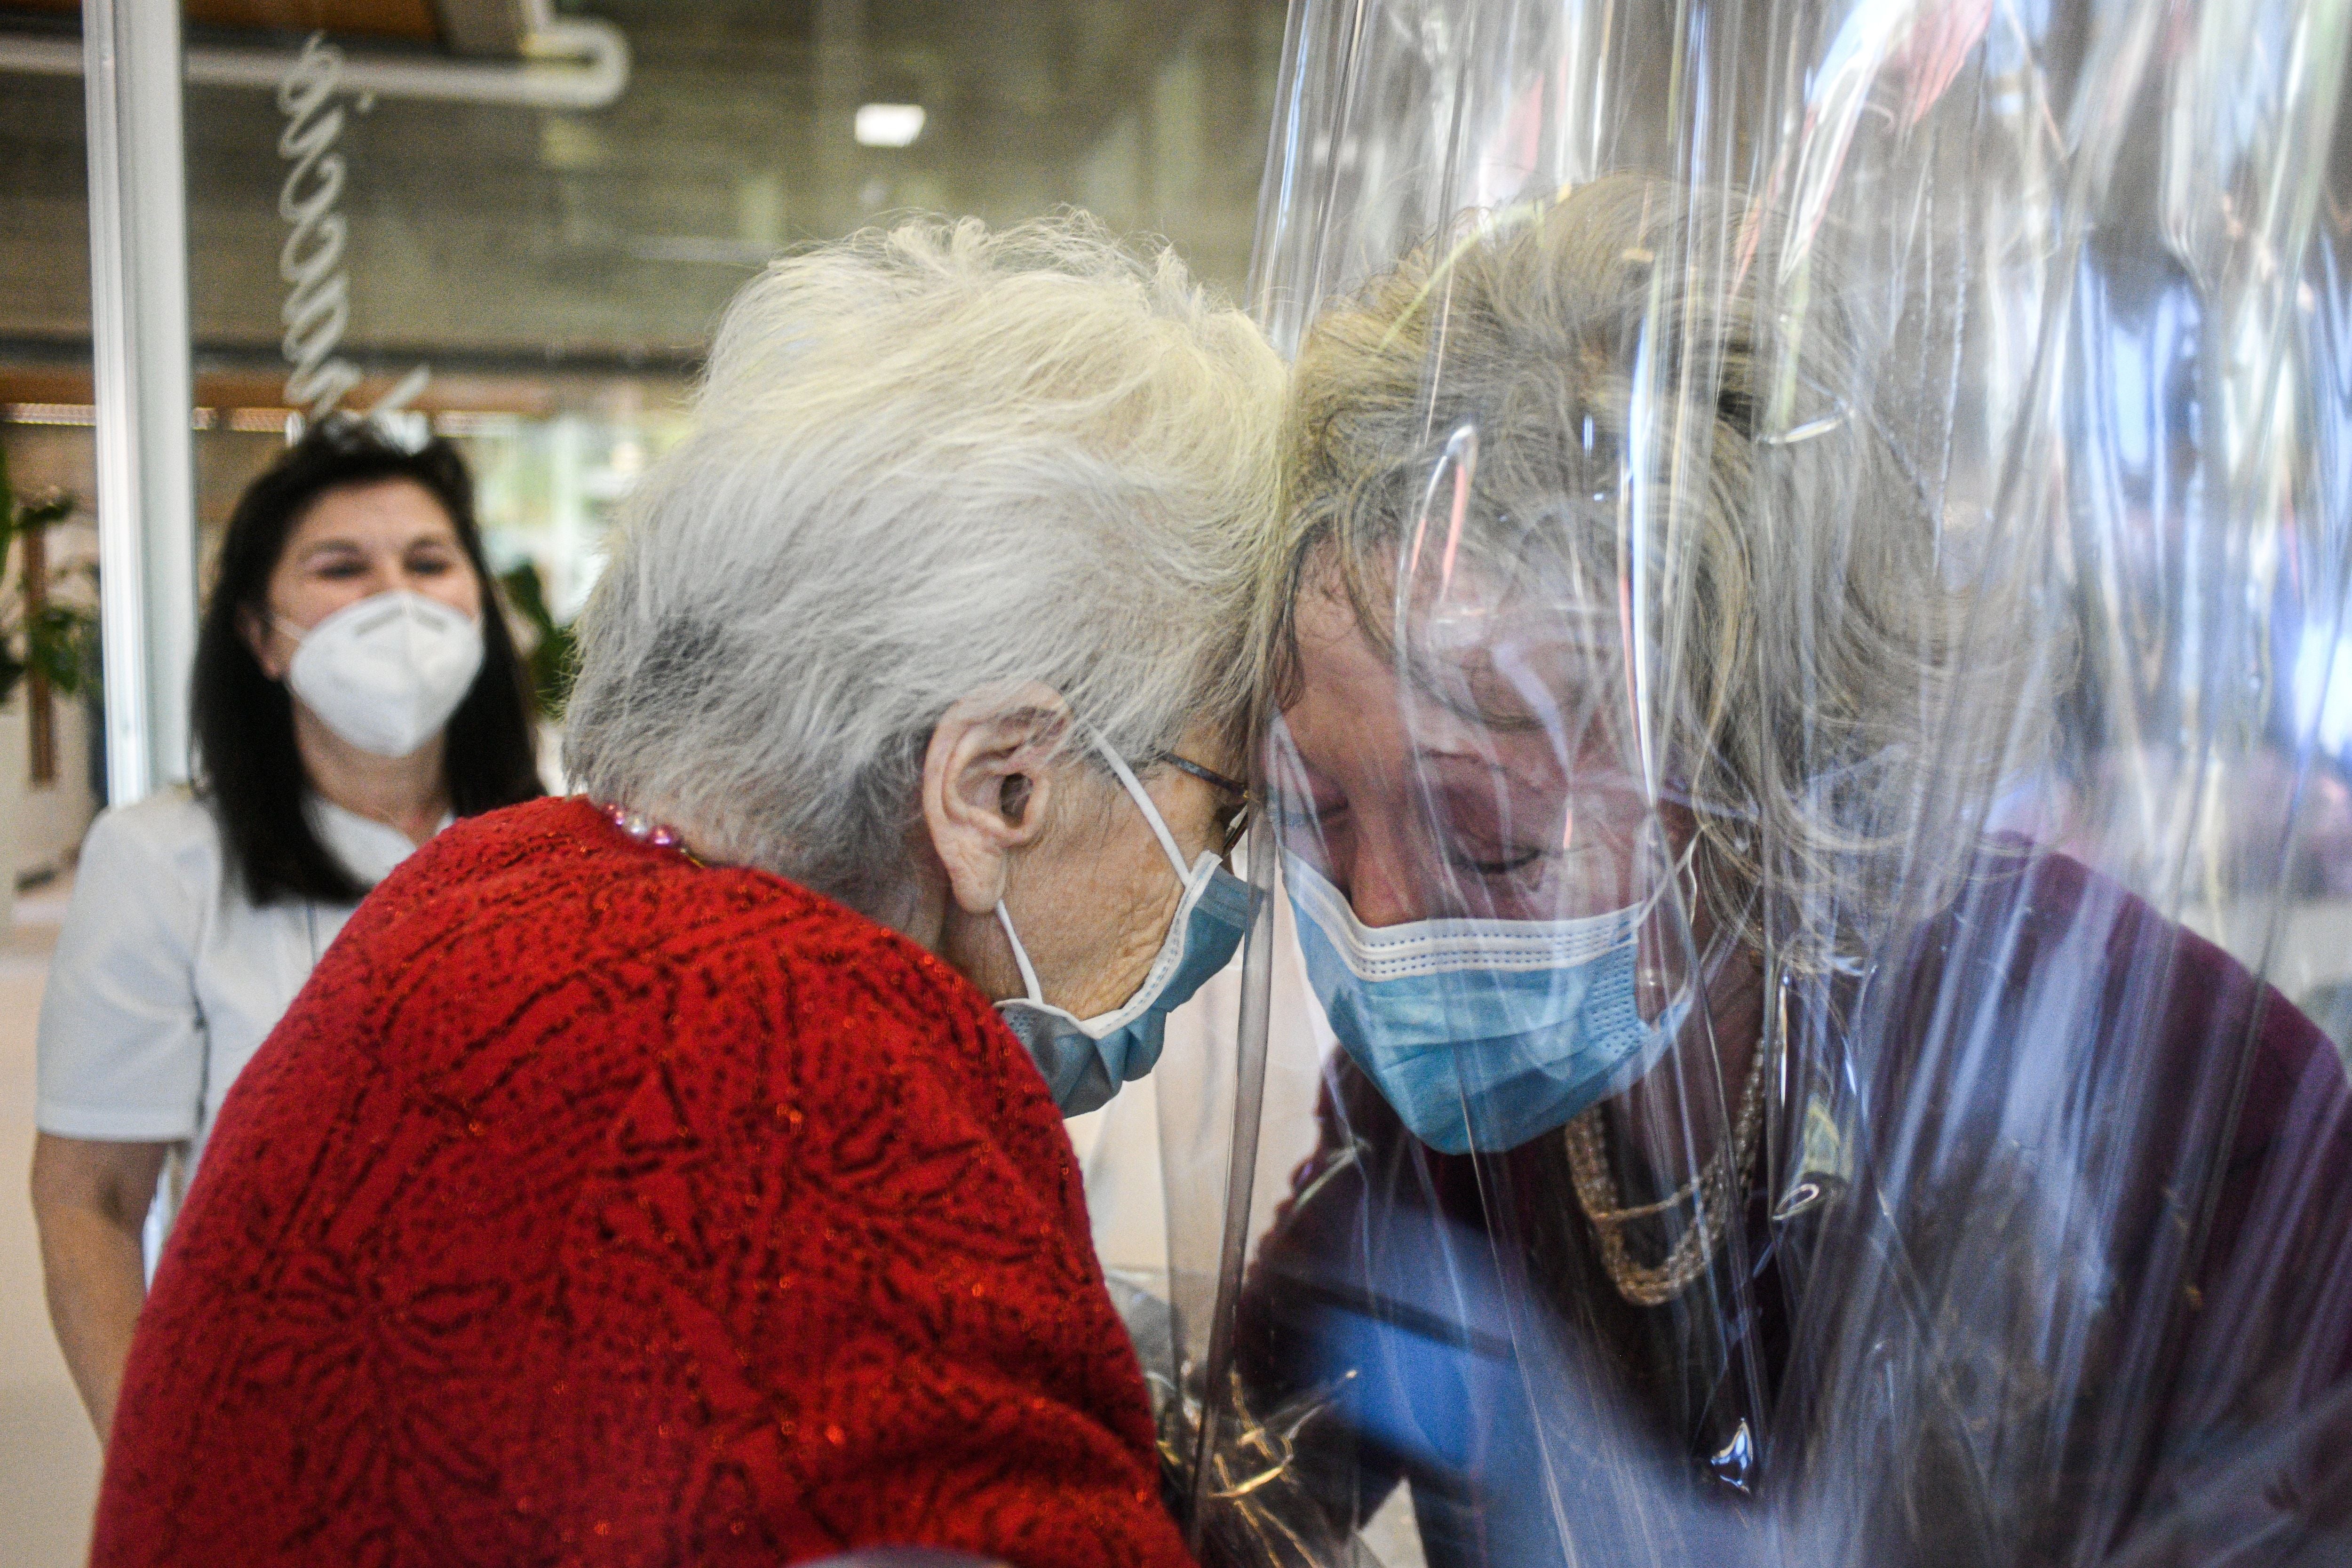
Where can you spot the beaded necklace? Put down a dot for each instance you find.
(1714, 1193)
(646, 830)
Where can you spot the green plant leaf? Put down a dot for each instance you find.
(552, 646)
(59, 640)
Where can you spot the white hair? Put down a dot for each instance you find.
(926, 461)
(1829, 699)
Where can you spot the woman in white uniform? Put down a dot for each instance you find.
(355, 691)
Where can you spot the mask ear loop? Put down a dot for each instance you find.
(1033, 993)
(1684, 870)
(1020, 956)
(1150, 812)
(1036, 993)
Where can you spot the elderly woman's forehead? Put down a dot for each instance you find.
(1467, 611)
(1522, 663)
(1474, 628)
(1523, 672)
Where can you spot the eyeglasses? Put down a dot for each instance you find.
(1236, 824)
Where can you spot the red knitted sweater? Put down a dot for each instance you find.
(592, 1207)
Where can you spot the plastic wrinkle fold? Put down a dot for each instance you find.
(1844, 512)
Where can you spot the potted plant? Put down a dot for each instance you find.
(47, 650)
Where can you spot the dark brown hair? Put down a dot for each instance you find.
(248, 769)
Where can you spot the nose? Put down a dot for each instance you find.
(1380, 886)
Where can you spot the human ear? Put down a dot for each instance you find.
(986, 785)
(256, 634)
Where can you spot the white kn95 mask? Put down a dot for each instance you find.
(386, 673)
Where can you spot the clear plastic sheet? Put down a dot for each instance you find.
(1810, 706)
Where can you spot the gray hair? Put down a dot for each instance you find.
(925, 462)
(1809, 647)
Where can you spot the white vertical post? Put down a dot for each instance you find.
(138, 336)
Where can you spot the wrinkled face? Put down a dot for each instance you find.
(1096, 896)
(352, 544)
(1497, 784)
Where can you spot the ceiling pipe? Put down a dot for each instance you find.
(568, 63)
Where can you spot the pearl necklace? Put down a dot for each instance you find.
(646, 830)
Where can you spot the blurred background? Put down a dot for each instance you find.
(546, 219)
(538, 212)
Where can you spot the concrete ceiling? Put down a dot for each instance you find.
(502, 237)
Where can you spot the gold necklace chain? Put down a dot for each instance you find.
(1714, 1192)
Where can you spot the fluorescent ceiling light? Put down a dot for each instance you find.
(888, 124)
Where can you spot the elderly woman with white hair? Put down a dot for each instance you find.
(675, 1174)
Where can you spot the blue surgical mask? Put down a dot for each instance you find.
(1085, 1060)
(1481, 1034)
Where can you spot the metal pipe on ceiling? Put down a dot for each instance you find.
(568, 63)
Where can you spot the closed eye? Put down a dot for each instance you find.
(1507, 866)
(1296, 815)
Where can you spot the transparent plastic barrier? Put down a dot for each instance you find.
(1816, 583)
